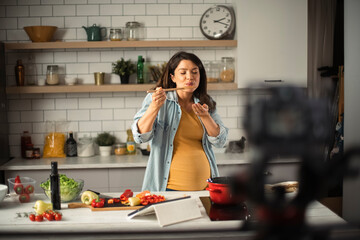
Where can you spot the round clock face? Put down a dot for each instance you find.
(218, 22)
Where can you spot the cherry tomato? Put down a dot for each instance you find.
(39, 218)
(49, 216)
(32, 217)
(58, 216)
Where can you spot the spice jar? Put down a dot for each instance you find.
(52, 75)
(29, 150)
(115, 34)
(36, 153)
(227, 71)
(120, 149)
(212, 72)
(132, 31)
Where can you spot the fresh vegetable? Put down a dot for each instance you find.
(110, 201)
(49, 216)
(134, 201)
(69, 188)
(58, 216)
(151, 198)
(24, 197)
(142, 194)
(88, 196)
(39, 218)
(32, 217)
(126, 194)
(41, 207)
(18, 188)
(98, 203)
(17, 179)
(29, 189)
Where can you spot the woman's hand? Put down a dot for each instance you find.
(158, 98)
(201, 110)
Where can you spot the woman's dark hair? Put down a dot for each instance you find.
(201, 92)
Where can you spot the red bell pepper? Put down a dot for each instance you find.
(18, 188)
(126, 194)
(24, 197)
(98, 203)
(29, 189)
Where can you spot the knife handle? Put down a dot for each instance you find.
(78, 205)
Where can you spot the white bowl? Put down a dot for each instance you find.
(3, 192)
(70, 80)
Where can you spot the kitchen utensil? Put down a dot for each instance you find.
(95, 33)
(99, 78)
(3, 191)
(67, 194)
(28, 187)
(40, 33)
(99, 194)
(167, 89)
(107, 207)
(220, 192)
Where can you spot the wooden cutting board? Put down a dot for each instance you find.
(116, 207)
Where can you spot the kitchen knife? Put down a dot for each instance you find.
(100, 195)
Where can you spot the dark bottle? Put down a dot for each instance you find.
(71, 146)
(19, 73)
(140, 70)
(55, 186)
(25, 140)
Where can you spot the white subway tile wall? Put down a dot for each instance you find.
(91, 113)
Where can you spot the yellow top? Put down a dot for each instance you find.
(190, 167)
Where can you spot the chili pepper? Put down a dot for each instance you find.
(17, 179)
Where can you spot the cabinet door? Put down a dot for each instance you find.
(272, 42)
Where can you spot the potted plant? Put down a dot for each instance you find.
(124, 69)
(105, 141)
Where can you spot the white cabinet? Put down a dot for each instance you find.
(272, 42)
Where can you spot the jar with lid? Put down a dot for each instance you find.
(52, 75)
(133, 31)
(116, 34)
(85, 147)
(212, 72)
(29, 151)
(120, 149)
(227, 72)
(36, 153)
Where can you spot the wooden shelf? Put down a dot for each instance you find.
(122, 44)
(102, 88)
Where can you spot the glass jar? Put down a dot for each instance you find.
(212, 72)
(133, 31)
(227, 71)
(36, 153)
(52, 75)
(85, 147)
(29, 151)
(116, 34)
(120, 149)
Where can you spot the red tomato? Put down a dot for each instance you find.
(24, 197)
(32, 217)
(18, 188)
(49, 216)
(29, 189)
(39, 218)
(58, 216)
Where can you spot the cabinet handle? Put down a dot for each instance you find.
(267, 173)
(273, 81)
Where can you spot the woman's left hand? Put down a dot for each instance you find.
(201, 110)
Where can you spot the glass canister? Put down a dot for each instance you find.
(116, 34)
(212, 71)
(85, 147)
(120, 149)
(227, 71)
(52, 75)
(132, 31)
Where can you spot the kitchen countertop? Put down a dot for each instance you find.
(82, 221)
(113, 161)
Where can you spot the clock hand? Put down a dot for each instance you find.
(219, 20)
(223, 23)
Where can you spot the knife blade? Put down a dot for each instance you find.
(100, 195)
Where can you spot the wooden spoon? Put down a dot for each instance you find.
(168, 89)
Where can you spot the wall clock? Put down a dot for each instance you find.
(218, 22)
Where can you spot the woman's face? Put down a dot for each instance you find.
(186, 75)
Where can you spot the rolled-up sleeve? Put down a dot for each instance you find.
(220, 140)
(142, 137)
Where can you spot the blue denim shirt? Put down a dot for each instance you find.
(161, 139)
